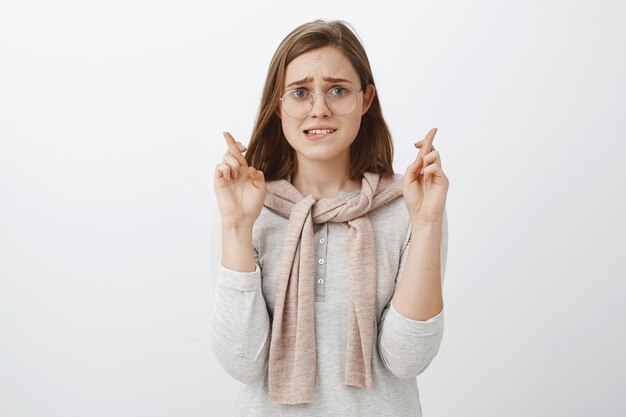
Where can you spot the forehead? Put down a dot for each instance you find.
(318, 63)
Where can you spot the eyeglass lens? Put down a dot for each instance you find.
(299, 103)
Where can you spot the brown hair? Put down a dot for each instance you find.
(269, 151)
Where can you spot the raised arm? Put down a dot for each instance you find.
(411, 327)
(240, 331)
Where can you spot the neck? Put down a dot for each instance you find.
(323, 179)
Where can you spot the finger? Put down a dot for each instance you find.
(234, 149)
(424, 145)
(429, 137)
(230, 160)
(421, 143)
(258, 179)
(217, 175)
(432, 170)
(223, 171)
(432, 148)
(413, 170)
(432, 131)
(432, 158)
(428, 141)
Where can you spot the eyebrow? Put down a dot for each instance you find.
(327, 79)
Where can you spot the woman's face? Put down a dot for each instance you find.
(323, 135)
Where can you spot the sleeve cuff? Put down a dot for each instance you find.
(241, 281)
(410, 326)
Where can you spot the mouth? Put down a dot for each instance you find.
(319, 132)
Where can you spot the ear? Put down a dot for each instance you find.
(368, 97)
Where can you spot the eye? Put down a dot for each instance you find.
(338, 91)
(299, 93)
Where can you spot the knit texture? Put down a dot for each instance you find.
(292, 356)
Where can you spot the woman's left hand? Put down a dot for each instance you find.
(425, 185)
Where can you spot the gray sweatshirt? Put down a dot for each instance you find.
(402, 349)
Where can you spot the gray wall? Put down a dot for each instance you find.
(110, 127)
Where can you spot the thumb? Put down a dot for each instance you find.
(413, 170)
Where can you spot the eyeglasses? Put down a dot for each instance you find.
(298, 103)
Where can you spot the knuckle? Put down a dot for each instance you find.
(230, 160)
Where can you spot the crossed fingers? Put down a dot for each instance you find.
(232, 159)
(430, 158)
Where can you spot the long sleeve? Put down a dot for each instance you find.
(240, 333)
(406, 346)
(240, 330)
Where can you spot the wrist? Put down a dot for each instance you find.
(237, 229)
(426, 228)
(426, 223)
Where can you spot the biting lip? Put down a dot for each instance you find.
(319, 131)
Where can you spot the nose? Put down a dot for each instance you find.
(320, 107)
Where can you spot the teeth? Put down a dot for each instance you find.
(319, 132)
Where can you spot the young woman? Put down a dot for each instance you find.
(328, 297)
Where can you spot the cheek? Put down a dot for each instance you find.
(290, 129)
(355, 123)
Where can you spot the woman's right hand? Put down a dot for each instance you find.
(239, 188)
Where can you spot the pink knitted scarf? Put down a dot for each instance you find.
(292, 356)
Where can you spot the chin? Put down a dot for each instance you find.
(321, 155)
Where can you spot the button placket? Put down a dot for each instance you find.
(321, 240)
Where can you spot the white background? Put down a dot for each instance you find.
(111, 116)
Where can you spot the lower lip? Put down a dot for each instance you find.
(317, 137)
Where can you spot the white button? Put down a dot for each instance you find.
(321, 261)
(320, 281)
(322, 240)
(240, 354)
